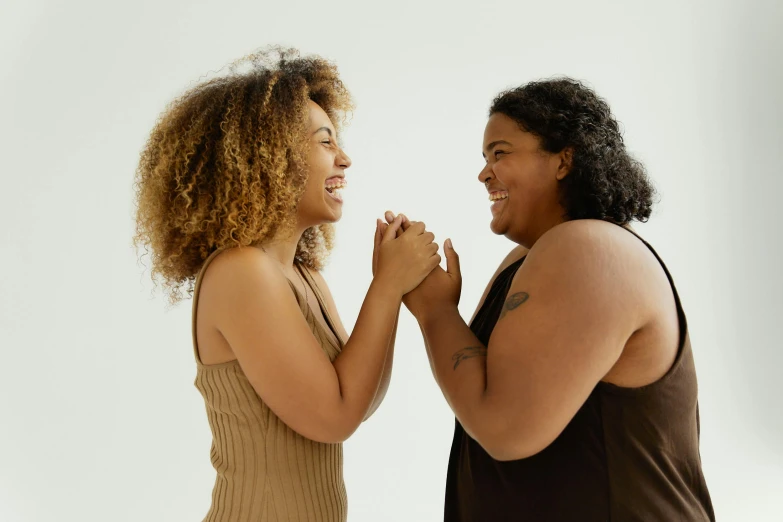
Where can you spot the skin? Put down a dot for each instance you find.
(590, 303)
(266, 332)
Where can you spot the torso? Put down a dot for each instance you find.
(258, 476)
(631, 451)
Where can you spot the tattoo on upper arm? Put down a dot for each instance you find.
(468, 353)
(513, 302)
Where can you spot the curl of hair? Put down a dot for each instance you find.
(604, 182)
(225, 164)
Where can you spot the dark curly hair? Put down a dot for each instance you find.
(225, 165)
(604, 182)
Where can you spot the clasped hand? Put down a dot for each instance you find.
(436, 289)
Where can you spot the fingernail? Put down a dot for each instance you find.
(448, 244)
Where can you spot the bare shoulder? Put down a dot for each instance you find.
(600, 263)
(237, 270)
(590, 244)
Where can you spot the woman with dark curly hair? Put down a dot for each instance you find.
(574, 387)
(237, 190)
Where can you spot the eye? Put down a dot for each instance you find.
(497, 152)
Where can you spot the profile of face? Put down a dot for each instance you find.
(321, 201)
(522, 181)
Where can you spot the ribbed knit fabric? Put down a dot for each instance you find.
(266, 472)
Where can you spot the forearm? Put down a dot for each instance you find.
(361, 364)
(387, 371)
(429, 353)
(459, 363)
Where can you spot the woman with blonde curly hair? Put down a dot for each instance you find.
(237, 191)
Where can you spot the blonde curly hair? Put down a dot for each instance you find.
(225, 164)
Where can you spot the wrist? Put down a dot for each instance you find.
(386, 288)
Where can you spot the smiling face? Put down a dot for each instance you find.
(321, 201)
(522, 181)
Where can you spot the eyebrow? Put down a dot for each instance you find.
(495, 144)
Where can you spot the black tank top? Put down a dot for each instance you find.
(629, 454)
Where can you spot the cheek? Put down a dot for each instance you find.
(511, 176)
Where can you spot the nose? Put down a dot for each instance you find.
(342, 160)
(486, 174)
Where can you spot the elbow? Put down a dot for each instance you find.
(334, 429)
(334, 432)
(508, 445)
(506, 452)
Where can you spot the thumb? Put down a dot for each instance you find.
(391, 229)
(378, 234)
(452, 260)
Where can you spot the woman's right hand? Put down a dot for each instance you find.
(403, 262)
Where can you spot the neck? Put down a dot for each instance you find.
(543, 225)
(283, 247)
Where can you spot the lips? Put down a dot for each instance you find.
(333, 186)
(498, 199)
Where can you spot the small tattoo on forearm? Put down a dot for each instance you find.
(513, 302)
(468, 353)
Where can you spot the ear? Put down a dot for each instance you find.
(566, 157)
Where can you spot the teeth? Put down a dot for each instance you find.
(498, 196)
(335, 185)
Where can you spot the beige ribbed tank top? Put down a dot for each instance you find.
(266, 472)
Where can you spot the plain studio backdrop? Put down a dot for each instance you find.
(99, 418)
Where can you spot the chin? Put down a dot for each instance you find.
(333, 216)
(497, 227)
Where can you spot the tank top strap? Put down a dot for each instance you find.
(680, 310)
(321, 301)
(196, 292)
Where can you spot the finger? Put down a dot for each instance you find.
(378, 234)
(389, 216)
(406, 223)
(432, 248)
(452, 260)
(428, 237)
(416, 229)
(391, 230)
(384, 227)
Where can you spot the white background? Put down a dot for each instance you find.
(99, 419)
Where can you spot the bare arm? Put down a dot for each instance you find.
(383, 387)
(387, 365)
(517, 253)
(281, 358)
(516, 395)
